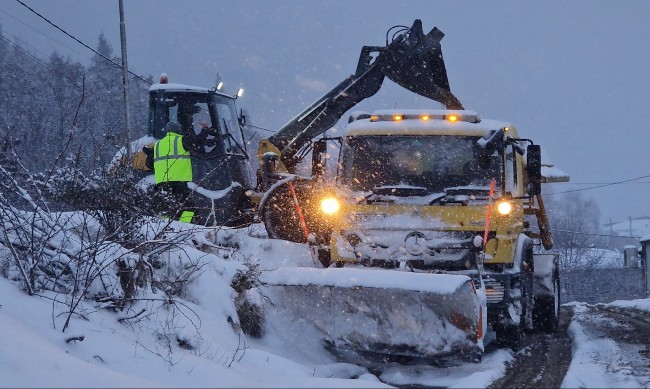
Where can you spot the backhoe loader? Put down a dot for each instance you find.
(382, 214)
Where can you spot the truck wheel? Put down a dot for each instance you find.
(510, 335)
(546, 314)
(527, 302)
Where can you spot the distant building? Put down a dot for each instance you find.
(629, 231)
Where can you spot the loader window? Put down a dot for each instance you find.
(229, 125)
(186, 108)
(194, 116)
(434, 162)
(159, 108)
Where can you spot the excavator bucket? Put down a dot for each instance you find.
(378, 313)
(414, 61)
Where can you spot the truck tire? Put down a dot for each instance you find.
(278, 213)
(510, 335)
(546, 313)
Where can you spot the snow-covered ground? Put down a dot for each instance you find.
(196, 341)
(610, 345)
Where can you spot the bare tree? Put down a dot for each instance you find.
(575, 221)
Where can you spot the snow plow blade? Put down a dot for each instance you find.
(380, 312)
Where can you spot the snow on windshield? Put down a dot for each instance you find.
(433, 162)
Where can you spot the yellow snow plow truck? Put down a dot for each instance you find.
(430, 194)
(428, 231)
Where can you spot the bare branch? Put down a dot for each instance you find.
(74, 339)
(122, 319)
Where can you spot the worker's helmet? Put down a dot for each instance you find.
(173, 127)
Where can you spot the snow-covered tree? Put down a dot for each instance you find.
(575, 221)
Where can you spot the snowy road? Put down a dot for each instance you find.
(596, 346)
(543, 361)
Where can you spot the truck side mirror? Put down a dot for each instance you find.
(318, 159)
(534, 169)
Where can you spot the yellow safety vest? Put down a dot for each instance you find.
(171, 162)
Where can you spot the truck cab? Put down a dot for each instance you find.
(428, 175)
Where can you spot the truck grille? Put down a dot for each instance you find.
(494, 290)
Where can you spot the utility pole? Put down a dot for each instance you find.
(125, 84)
(611, 233)
(630, 226)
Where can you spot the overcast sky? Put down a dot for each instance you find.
(572, 75)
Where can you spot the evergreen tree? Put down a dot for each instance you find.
(59, 110)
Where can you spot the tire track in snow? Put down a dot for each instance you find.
(543, 360)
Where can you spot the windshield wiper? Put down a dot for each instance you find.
(468, 190)
(461, 195)
(437, 199)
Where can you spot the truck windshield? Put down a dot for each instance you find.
(434, 162)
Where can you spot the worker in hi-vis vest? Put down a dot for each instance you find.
(172, 167)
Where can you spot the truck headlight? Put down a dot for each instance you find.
(504, 207)
(329, 205)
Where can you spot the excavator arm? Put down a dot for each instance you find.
(412, 60)
(325, 112)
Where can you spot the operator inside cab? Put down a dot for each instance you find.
(172, 157)
(172, 166)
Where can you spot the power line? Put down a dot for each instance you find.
(599, 186)
(32, 47)
(594, 234)
(600, 183)
(75, 83)
(34, 58)
(81, 43)
(40, 32)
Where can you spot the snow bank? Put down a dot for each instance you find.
(596, 362)
(640, 304)
(160, 340)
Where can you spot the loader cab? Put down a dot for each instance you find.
(220, 171)
(191, 107)
(197, 108)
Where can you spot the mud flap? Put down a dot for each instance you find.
(379, 311)
(545, 267)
